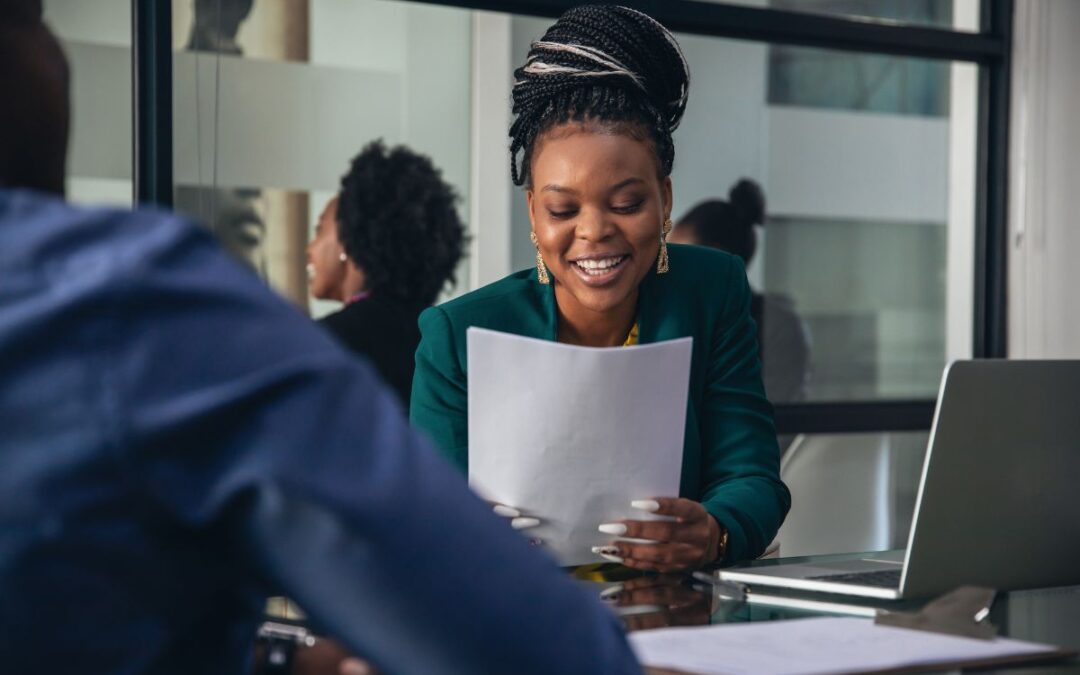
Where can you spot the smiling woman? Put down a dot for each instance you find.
(597, 223)
(596, 103)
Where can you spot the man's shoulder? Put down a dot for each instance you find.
(42, 231)
(61, 257)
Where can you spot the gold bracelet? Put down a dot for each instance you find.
(721, 549)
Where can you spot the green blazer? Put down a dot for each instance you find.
(731, 461)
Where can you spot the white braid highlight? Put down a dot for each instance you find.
(546, 69)
(534, 66)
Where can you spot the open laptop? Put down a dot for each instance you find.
(999, 499)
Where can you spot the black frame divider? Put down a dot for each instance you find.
(854, 417)
(151, 22)
(992, 187)
(990, 48)
(775, 25)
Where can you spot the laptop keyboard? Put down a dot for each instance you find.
(877, 579)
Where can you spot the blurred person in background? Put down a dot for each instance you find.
(386, 245)
(783, 337)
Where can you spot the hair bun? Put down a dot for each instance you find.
(748, 201)
(591, 43)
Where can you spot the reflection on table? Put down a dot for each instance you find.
(645, 602)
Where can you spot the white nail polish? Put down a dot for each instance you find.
(524, 523)
(506, 511)
(610, 558)
(613, 528)
(611, 592)
(650, 505)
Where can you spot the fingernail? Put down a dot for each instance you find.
(650, 505)
(613, 528)
(607, 553)
(506, 511)
(354, 667)
(612, 592)
(524, 523)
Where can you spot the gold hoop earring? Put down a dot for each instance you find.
(663, 264)
(541, 269)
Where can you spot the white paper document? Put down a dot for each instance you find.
(571, 435)
(812, 646)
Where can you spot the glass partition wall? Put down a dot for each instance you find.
(867, 165)
(875, 129)
(272, 99)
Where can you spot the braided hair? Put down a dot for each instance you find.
(603, 64)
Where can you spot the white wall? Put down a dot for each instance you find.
(96, 38)
(851, 165)
(1044, 194)
(492, 194)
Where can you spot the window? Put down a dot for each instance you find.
(937, 13)
(960, 15)
(863, 121)
(273, 99)
(819, 78)
(854, 492)
(97, 42)
(852, 266)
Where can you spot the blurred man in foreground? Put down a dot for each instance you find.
(178, 443)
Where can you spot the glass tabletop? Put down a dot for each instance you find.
(645, 602)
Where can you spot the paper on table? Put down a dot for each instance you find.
(812, 646)
(571, 435)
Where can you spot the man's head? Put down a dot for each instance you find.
(34, 90)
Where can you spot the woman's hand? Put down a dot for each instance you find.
(328, 657)
(517, 520)
(690, 540)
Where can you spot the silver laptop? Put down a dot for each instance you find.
(999, 499)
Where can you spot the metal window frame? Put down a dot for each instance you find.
(990, 48)
(151, 65)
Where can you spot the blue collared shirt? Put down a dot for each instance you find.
(177, 443)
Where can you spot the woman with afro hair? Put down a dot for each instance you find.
(597, 101)
(385, 246)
